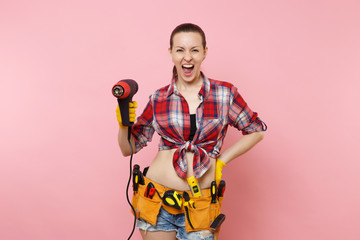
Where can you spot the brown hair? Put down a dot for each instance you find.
(186, 27)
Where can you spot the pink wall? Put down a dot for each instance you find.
(62, 176)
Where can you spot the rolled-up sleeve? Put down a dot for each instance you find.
(242, 117)
(143, 130)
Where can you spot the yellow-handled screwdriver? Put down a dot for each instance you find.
(213, 192)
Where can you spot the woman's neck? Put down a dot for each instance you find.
(189, 86)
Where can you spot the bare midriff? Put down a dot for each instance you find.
(162, 171)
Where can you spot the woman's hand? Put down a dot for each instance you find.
(237, 149)
(132, 115)
(218, 170)
(123, 130)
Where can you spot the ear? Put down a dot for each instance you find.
(170, 53)
(205, 52)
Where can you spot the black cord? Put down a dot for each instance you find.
(128, 184)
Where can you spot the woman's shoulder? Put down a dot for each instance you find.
(160, 93)
(220, 83)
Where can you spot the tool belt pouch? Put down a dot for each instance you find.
(203, 214)
(146, 208)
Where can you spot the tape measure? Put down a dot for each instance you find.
(172, 198)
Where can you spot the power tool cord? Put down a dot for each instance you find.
(128, 184)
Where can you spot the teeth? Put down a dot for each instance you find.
(188, 65)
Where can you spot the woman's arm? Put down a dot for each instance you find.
(141, 132)
(241, 146)
(124, 143)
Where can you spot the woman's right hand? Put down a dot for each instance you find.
(132, 114)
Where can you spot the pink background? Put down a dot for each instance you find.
(62, 176)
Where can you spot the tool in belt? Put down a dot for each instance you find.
(150, 190)
(217, 192)
(194, 186)
(188, 203)
(138, 177)
(221, 189)
(173, 199)
(170, 198)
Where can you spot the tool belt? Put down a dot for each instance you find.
(200, 214)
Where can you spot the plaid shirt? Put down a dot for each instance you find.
(167, 113)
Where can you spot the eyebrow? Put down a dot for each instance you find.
(190, 48)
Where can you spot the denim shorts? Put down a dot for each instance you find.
(169, 222)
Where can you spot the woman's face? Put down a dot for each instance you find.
(187, 55)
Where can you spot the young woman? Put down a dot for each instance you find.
(191, 115)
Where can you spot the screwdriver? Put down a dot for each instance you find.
(150, 190)
(213, 192)
(136, 177)
(221, 189)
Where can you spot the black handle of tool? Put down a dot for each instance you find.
(221, 189)
(186, 196)
(150, 190)
(217, 222)
(213, 192)
(136, 177)
(145, 171)
(187, 213)
(124, 111)
(141, 179)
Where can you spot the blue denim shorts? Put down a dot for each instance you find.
(169, 222)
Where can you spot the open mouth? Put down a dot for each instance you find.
(187, 69)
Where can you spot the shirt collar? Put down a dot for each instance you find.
(204, 91)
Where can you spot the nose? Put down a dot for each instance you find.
(187, 56)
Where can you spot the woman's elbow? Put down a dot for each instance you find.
(261, 135)
(125, 149)
(125, 153)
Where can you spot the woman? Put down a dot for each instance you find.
(191, 115)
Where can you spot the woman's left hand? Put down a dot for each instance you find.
(218, 170)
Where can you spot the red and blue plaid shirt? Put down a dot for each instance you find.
(167, 113)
